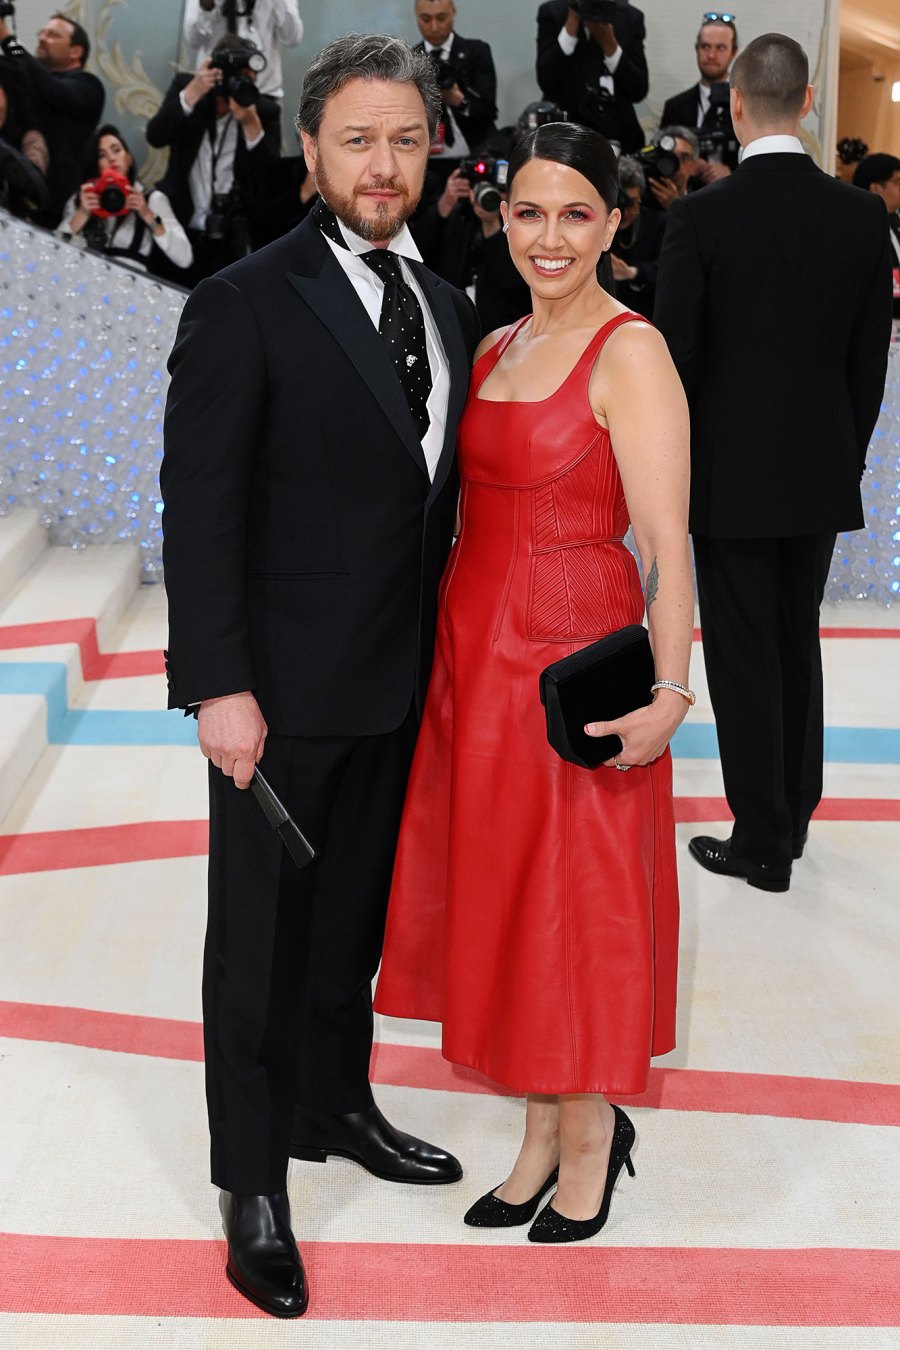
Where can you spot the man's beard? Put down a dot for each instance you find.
(388, 220)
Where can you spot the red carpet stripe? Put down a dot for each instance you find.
(385, 1282)
(791, 1098)
(94, 664)
(98, 846)
(146, 841)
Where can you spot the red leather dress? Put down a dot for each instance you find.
(534, 907)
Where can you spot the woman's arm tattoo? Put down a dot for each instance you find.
(652, 586)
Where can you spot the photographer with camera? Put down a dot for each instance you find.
(706, 106)
(590, 60)
(223, 134)
(634, 255)
(669, 163)
(468, 85)
(23, 150)
(112, 214)
(267, 25)
(67, 98)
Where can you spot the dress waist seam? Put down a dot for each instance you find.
(579, 543)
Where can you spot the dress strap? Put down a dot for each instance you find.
(486, 363)
(589, 356)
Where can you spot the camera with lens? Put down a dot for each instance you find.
(113, 189)
(538, 115)
(718, 143)
(595, 11)
(487, 177)
(7, 9)
(218, 218)
(232, 62)
(659, 159)
(444, 71)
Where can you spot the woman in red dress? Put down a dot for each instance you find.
(534, 908)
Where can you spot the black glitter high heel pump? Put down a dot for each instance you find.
(492, 1212)
(551, 1226)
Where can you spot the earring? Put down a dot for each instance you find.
(506, 228)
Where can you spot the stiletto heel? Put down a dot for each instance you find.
(492, 1212)
(551, 1226)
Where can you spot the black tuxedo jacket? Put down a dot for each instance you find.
(69, 104)
(774, 296)
(184, 134)
(572, 81)
(682, 110)
(303, 539)
(473, 65)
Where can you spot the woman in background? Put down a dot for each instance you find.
(146, 236)
(534, 909)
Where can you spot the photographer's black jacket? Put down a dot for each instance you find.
(472, 64)
(68, 105)
(184, 133)
(573, 81)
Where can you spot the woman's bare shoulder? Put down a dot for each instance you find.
(491, 340)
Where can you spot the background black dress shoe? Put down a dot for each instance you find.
(716, 856)
(263, 1261)
(365, 1137)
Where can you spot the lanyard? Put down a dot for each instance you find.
(216, 147)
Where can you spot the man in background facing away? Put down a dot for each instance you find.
(774, 295)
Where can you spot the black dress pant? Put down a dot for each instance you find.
(759, 612)
(290, 955)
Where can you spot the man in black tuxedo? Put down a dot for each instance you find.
(880, 174)
(774, 296)
(595, 70)
(69, 101)
(466, 76)
(716, 48)
(221, 151)
(310, 497)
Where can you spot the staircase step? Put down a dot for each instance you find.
(22, 541)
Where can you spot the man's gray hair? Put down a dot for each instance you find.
(366, 56)
(631, 173)
(683, 134)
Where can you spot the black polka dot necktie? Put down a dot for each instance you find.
(401, 325)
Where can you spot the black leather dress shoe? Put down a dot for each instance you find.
(365, 1137)
(263, 1261)
(716, 856)
(798, 844)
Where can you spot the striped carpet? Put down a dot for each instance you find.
(766, 1207)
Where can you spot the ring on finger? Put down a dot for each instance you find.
(623, 768)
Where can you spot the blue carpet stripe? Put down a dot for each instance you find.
(66, 726)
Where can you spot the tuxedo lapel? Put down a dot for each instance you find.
(320, 281)
(437, 294)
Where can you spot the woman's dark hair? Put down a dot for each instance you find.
(91, 163)
(585, 151)
(578, 148)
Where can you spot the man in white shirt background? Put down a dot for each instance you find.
(267, 24)
(590, 60)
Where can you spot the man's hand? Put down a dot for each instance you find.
(491, 221)
(4, 31)
(455, 189)
(454, 96)
(232, 734)
(665, 190)
(205, 79)
(710, 173)
(573, 22)
(622, 271)
(604, 35)
(247, 119)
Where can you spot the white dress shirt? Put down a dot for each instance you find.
(272, 25)
(370, 289)
(569, 41)
(460, 147)
(773, 145)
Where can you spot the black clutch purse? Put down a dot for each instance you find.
(606, 680)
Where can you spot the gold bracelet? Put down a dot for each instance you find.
(676, 689)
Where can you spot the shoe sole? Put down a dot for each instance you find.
(266, 1308)
(321, 1155)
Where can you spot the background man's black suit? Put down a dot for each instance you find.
(573, 81)
(774, 296)
(304, 542)
(471, 62)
